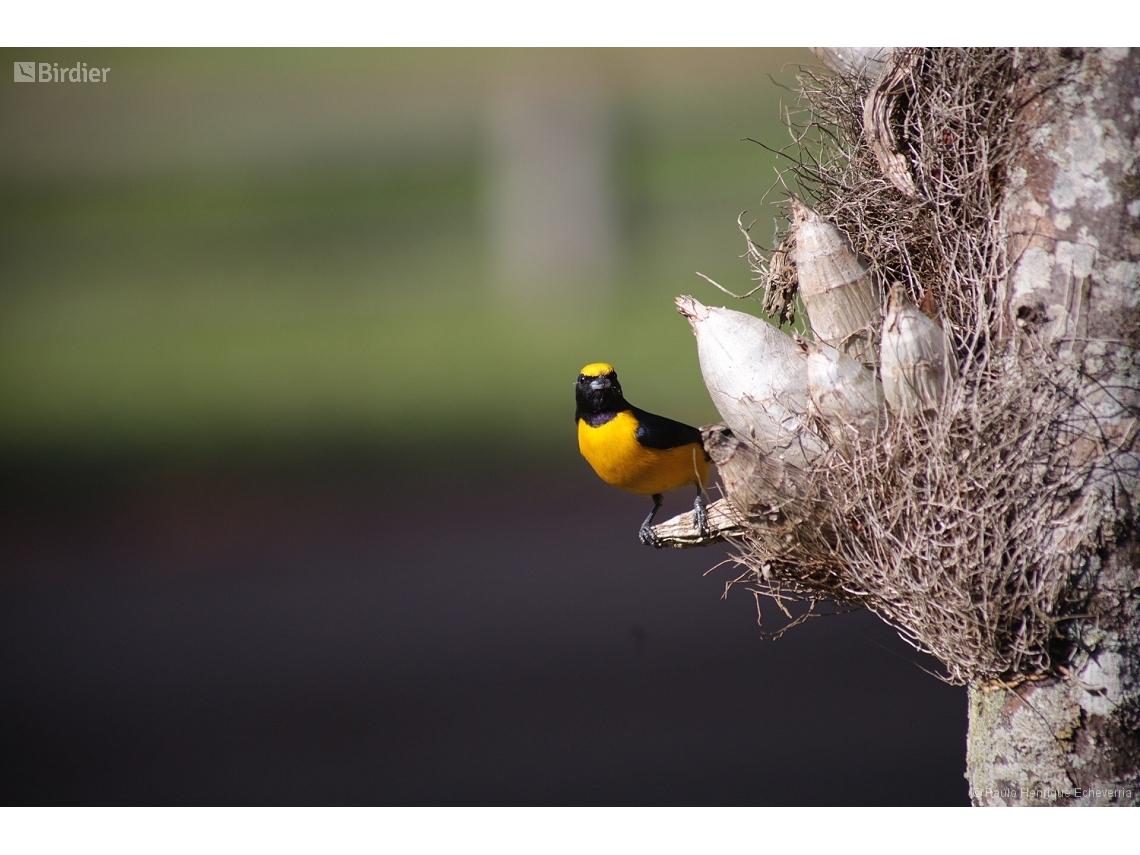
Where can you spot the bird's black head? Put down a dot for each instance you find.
(598, 392)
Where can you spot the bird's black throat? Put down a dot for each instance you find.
(598, 406)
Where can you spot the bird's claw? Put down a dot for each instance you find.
(649, 537)
(701, 516)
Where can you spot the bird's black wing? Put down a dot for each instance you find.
(659, 432)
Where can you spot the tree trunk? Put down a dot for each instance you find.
(999, 530)
(1071, 216)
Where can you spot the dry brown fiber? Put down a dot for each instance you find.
(960, 527)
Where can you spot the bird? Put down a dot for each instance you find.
(635, 450)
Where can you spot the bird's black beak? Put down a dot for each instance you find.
(599, 383)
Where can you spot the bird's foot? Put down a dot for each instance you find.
(648, 537)
(701, 516)
(645, 532)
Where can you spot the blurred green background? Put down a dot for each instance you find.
(291, 505)
(263, 252)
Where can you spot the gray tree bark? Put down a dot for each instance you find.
(1070, 226)
(1071, 216)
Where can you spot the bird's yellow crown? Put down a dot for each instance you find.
(597, 369)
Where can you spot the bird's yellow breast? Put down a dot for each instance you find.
(619, 459)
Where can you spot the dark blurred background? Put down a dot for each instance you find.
(291, 509)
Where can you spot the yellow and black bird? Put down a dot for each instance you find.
(635, 450)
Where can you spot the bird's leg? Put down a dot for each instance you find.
(646, 533)
(702, 516)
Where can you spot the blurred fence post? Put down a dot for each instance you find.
(549, 199)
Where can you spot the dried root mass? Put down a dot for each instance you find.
(965, 522)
